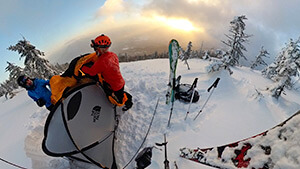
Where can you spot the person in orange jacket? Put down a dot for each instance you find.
(107, 64)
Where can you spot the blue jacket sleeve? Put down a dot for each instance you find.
(44, 82)
(32, 95)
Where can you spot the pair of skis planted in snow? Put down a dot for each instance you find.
(174, 49)
(173, 58)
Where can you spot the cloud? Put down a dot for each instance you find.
(111, 7)
(272, 23)
(199, 12)
(116, 10)
(137, 28)
(135, 25)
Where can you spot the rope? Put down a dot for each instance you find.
(144, 137)
(10, 163)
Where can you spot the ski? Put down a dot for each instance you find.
(173, 58)
(262, 151)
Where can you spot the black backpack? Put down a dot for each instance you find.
(184, 92)
(143, 159)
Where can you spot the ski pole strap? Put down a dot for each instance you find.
(215, 84)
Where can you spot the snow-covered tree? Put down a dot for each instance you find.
(235, 42)
(236, 39)
(35, 65)
(185, 55)
(61, 67)
(277, 89)
(285, 67)
(218, 65)
(14, 70)
(8, 87)
(206, 56)
(259, 58)
(2, 91)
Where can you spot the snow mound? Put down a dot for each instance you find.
(239, 107)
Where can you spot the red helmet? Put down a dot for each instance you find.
(101, 41)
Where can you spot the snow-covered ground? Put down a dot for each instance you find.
(235, 111)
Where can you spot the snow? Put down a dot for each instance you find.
(240, 107)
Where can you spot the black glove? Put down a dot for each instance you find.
(89, 64)
(82, 74)
(128, 103)
(40, 102)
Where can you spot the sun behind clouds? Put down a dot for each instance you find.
(178, 23)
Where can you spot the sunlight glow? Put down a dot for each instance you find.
(181, 24)
(207, 2)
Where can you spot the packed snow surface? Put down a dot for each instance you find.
(239, 107)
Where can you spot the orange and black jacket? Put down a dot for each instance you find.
(108, 66)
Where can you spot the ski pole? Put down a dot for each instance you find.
(145, 135)
(213, 86)
(166, 162)
(194, 88)
(175, 164)
(188, 111)
(12, 164)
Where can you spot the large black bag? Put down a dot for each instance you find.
(184, 92)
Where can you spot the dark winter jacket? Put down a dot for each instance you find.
(40, 91)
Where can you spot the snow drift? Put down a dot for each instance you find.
(239, 108)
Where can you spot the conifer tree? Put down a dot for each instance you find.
(2, 90)
(236, 39)
(185, 55)
(235, 42)
(11, 84)
(35, 65)
(286, 66)
(61, 67)
(7, 88)
(259, 58)
(14, 70)
(206, 56)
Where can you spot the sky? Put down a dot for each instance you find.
(63, 29)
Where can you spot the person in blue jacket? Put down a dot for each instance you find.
(37, 90)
